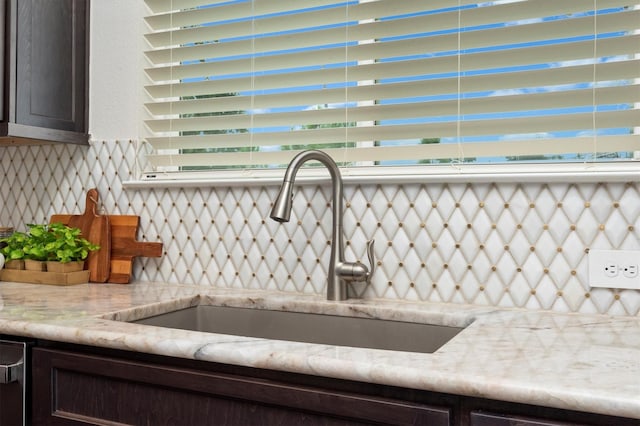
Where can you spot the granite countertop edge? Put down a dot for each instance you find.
(579, 362)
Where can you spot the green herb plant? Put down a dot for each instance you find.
(56, 241)
(36, 246)
(65, 244)
(14, 246)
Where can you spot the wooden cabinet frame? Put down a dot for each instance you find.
(45, 71)
(77, 385)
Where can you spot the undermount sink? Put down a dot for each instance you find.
(307, 328)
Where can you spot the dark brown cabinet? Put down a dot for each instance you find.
(493, 419)
(77, 385)
(482, 412)
(78, 388)
(12, 382)
(45, 71)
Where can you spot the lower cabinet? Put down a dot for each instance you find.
(78, 388)
(479, 412)
(76, 385)
(494, 419)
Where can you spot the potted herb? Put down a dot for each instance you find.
(35, 247)
(66, 248)
(13, 250)
(55, 247)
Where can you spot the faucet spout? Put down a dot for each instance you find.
(339, 270)
(281, 211)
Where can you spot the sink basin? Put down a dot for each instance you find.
(307, 327)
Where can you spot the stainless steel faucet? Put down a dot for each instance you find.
(340, 272)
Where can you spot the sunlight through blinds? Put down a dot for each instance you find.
(246, 84)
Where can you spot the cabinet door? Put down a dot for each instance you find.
(492, 419)
(12, 382)
(51, 64)
(79, 388)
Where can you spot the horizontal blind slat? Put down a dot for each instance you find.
(438, 65)
(372, 10)
(224, 10)
(356, 11)
(608, 71)
(539, 31)
(404, 81)
(507, 126)
(546, 31)
(425, 151)
(429, 109)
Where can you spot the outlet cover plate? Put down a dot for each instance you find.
(600, 259)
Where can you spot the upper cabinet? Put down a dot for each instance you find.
(45, 58)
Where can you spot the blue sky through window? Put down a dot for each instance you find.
(429, 77)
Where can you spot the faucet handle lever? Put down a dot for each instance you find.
(372, 260)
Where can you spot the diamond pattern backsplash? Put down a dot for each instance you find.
(504, 244)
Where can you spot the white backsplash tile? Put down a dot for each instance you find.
(503, 244)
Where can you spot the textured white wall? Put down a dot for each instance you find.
(115, 80)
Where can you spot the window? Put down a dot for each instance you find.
(239, 85)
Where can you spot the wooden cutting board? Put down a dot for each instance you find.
(85, 220)
(124, 247)
(95, 228)
(99, 262)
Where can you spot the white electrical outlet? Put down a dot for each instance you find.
(614, 268)
(630, 271)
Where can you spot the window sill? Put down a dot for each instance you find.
(566, 173)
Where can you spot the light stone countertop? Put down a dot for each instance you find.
(581, 362)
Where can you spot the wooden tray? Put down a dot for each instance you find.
(51, 278)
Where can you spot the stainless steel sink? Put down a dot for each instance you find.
(308, 328)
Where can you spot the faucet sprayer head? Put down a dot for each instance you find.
(281, 211)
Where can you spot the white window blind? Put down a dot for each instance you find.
(245, 84)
